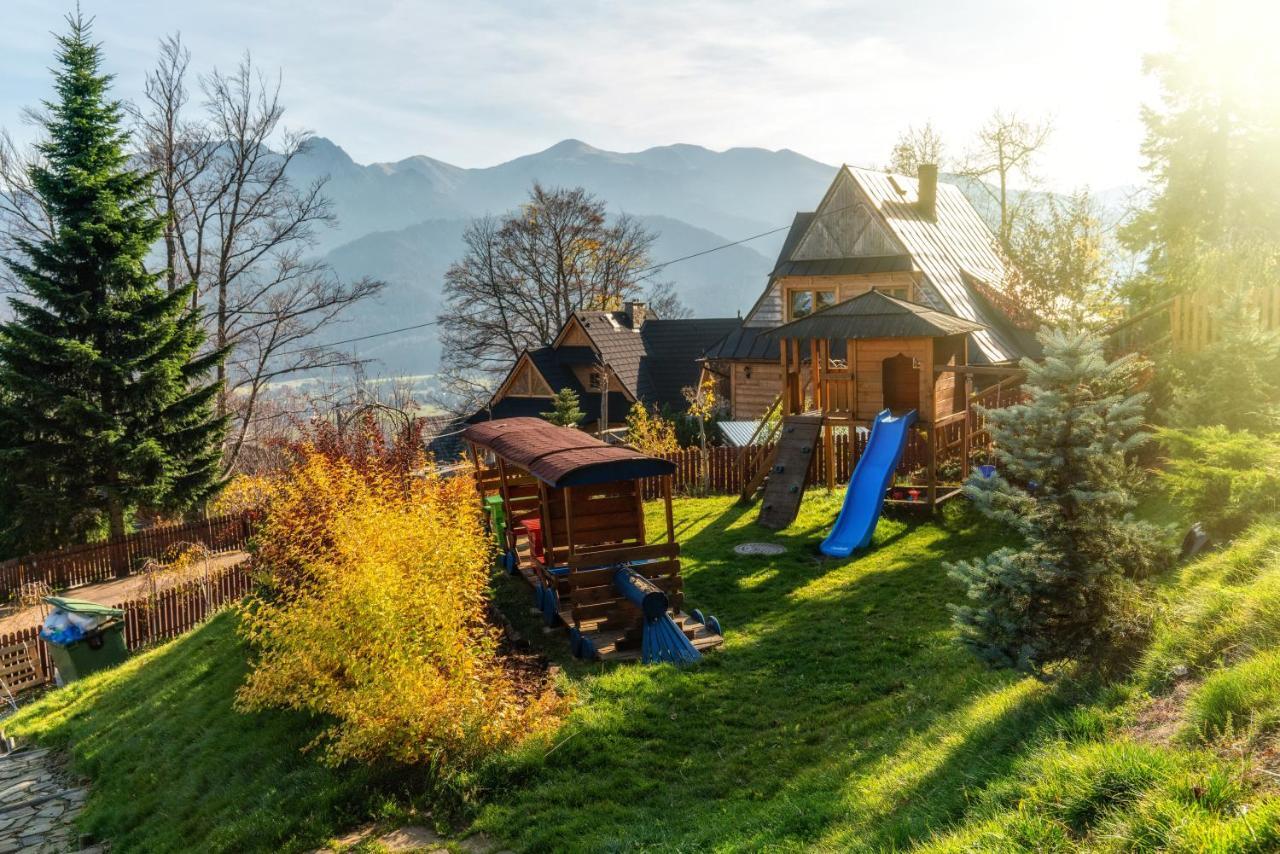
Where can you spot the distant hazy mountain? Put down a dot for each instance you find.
(732, 193)
(413, 262)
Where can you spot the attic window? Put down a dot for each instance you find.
(594, 381)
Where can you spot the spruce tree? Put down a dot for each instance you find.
(107, 405)
(565, 411)
(1064, 485)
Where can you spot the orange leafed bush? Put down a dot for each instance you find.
(375, 616)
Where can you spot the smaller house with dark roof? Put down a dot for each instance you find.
(611, 359)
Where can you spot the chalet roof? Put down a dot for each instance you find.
(876, 315)
(798, 226)
(955, 242)
(748, 343)
(657, 362)
(562, 456)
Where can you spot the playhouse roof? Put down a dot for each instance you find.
(562, 456)
(876, 315)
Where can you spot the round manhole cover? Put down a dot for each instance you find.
(758, 549)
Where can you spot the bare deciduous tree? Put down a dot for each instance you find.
(242, 229)
(915, 147)
(1005, 149)
(23, 216)
(521, 278)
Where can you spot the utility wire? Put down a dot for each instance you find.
(651, 268)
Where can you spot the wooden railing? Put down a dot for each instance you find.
(94, 562)
(1187, 321)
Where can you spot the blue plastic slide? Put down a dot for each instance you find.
(871, 478)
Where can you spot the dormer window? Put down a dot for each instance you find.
(594, 381)
(805, 303)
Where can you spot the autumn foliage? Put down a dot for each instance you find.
(375, 611)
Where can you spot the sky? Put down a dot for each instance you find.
(479, 82)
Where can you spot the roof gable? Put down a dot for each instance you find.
(943, 247)
(845, 225)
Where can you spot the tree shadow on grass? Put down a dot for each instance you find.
(840, 708)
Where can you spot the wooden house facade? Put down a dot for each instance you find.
(911, 239)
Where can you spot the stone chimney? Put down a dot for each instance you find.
(927, 200)
(636, 313)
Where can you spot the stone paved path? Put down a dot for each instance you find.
(38, 803)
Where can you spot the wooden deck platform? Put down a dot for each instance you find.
(611, 642)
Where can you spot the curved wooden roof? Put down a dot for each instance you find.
(562, 456)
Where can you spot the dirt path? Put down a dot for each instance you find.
(13, 619)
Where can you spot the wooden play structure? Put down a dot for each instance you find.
(567, 509)
(844, 365)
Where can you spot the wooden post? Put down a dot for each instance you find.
(786, 378)
(568, 524)
(933, 468)
(815, 372)
(666, 498)
(964, 435)
(548, 534)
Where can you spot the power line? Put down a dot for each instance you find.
(651, 268)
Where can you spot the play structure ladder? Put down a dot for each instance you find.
(788, 469)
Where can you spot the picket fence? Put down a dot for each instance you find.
(94, 562)
(24, 656)
(726, 475)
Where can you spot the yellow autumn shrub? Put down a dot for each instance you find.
(244, 493)
(375, 617)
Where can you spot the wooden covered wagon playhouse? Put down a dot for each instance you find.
(568, 511)
(876, 363)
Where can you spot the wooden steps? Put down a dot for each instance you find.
(789, 468)
(616, 643)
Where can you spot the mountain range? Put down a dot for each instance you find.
(403, 222)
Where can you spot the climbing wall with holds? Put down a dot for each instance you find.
(785, 485)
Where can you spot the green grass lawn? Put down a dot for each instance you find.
(175, 768)
(840, 715)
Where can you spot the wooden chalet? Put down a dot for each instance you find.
(611, 359)
(913, 239)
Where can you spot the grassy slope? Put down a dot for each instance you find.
(1183, 757)
(175, 769)
(839, 713)
(839, 716)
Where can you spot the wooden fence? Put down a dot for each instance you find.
(24, 657)
(87, 564)
(1186, 321)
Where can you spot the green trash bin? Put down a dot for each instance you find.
(98, 649)
(497, 519)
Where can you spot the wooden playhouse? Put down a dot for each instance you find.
(843, 365)
(569, 512)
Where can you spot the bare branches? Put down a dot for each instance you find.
(522, 277)
(241, 230)
(23, 217)
(1005, 149)
(917, 146)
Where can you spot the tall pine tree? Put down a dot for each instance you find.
(107, 405)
